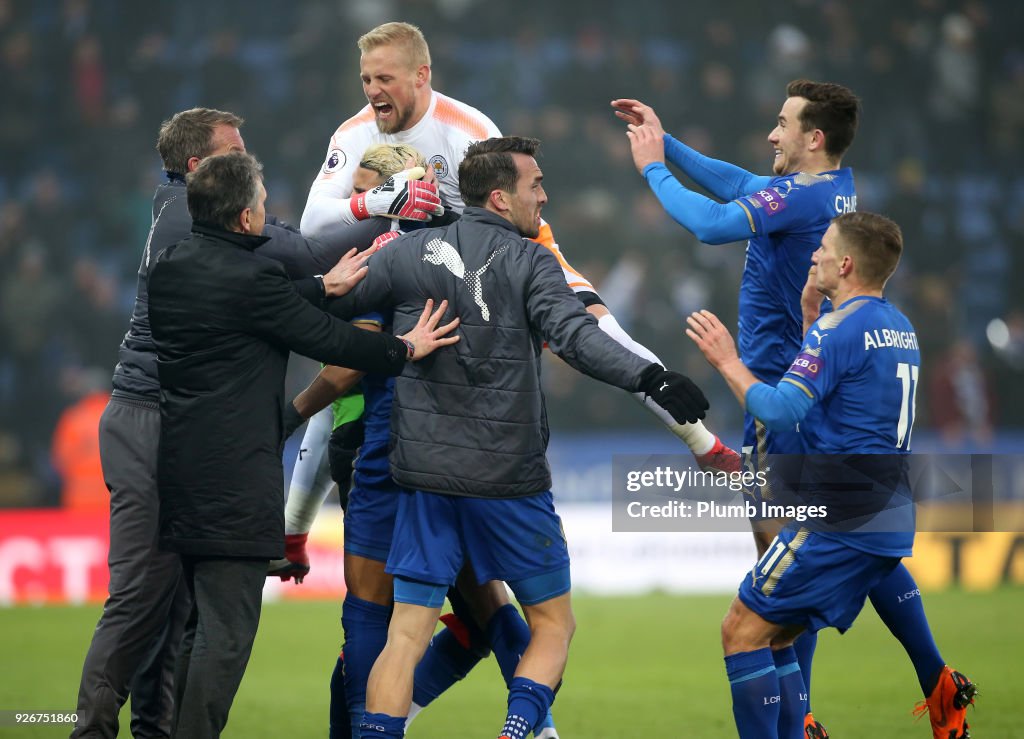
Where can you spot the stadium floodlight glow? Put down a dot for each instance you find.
(998, 333)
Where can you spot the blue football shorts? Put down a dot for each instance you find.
(372, 507)
(811, 580)
(518, 540)
(775, 456)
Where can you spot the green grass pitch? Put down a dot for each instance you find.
(647, 666)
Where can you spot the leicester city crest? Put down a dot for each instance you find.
(440, 166)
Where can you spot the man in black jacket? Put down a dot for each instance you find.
(136, 640)
(223, 320)
(469, 432)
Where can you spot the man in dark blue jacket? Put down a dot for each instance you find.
(134, 647)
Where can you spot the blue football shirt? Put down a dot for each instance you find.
(788, 218)
(861, 365)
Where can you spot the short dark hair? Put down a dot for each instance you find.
(188, 134)
(488, 166)
(830, 107)
(221, 187)
(876, 243)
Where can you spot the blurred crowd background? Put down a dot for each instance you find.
(84, 85)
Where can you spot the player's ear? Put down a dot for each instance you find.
(499, 199)
(817, 142)
(422, 75)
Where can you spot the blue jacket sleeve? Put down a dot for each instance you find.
(778, 408)
(723, 180)
(711, 222)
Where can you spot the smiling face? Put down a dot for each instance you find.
(526, 203)
(789, 139)
(396, 89)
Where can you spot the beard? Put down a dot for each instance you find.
(396, 122)
(531, 229)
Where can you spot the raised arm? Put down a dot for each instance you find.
(709, 221)
(574, 335)
(331, 201)
(723, 180)
(778, 408)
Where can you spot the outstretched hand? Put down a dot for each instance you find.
(347, 273)
(712, 338)
(675, 393)
(426, 336)
(638, 114)
(646, 145)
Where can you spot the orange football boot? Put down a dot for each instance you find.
(947, 705)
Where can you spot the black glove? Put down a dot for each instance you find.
(675, 393)
(291, 419)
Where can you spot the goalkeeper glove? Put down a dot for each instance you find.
(384, 238)
(403, 195)
(675, 393)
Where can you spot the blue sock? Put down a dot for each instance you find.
(341, 724)
(381, 726)
(366, 633)
(805, 645)
(755, 693)
(528, 703)
(793, 705)
(509, 636)
(898, 603)
(444, 663)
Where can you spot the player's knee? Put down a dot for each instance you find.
(732, 631)
(552, 619)
(727, 633)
